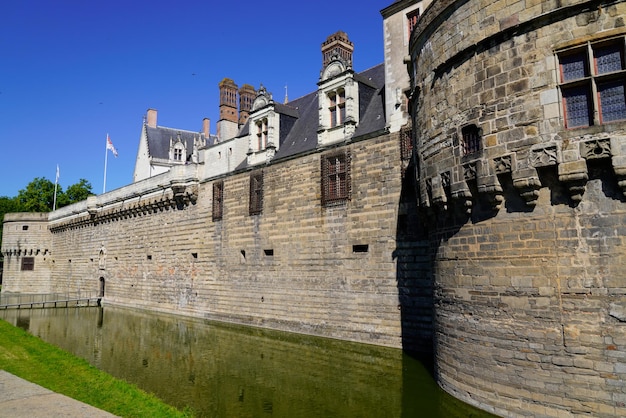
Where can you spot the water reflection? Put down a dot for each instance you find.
(221, 370)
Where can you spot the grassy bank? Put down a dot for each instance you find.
(32, 359)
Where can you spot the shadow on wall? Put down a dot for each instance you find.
(414, 275)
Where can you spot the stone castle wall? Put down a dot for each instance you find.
(527, 233)
(298, 266)
(27, 235)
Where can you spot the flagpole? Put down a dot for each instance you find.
(56, 182)
(106, 154)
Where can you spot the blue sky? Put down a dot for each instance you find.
(72, 71)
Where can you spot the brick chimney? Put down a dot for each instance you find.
(339, 45)
(246, 98)
(151, 118)
(227, 126)
(206, 127)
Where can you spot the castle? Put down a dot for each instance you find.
(466, 198)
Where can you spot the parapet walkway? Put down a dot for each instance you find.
(22, 399)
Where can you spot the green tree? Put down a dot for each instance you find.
(78, 192)
(38, 196)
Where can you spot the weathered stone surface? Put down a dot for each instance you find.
(525, 309)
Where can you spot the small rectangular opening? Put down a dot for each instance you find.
(24, 227)
(269, 252)
(149, 257)
(360, 248)
(194, 255)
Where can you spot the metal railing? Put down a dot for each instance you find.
(48, 300)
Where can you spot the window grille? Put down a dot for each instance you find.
(335, 178)
(406, 143)
(256, 193)
(218, 200)
(471, 139)
(28, 263)
(412, 18)
(592, 82)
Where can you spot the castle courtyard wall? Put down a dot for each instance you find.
(298, 266)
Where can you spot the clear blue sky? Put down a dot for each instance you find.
(72, 71)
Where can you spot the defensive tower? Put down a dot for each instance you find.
(519, 119)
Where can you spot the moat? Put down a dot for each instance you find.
(222, 370)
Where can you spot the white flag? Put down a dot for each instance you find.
(110, 146)
(57, 178)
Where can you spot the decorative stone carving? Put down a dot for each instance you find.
(469, 171)
(543, 157)
(503, 164)
(596, 149)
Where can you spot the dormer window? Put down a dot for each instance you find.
(337, 107)
(338, 92)
(178, 154)
(261, 134)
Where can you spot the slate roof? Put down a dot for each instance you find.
(299, 135)
(159, 141)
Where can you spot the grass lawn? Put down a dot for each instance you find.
(32, 359)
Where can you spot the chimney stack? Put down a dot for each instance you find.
(227, 125)
(337, 45)
(246, 98)
(206, 127)
(151, 119)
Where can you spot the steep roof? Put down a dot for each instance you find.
(301, 135)
(159, 140)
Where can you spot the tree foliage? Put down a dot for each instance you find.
(38, 196)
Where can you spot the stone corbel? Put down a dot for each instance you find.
(92, 206)
(438, 184)
(526, 181)
(573, 171)
(618, 160)
(184, 193)
(489, 186)
(460, 192)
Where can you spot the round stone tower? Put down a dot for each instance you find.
(519, 121)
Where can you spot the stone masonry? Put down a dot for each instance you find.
(525, 217)
(298, 266)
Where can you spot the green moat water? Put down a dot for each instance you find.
(221, 370)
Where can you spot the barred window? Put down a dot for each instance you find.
(592, 82)
(256, 193)
(28, 263)
(471, 139)
(335, 178)
(412, 18)
(218, 200)
(406, 143)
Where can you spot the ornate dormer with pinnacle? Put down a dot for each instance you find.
(338, 92)
(264, 128)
